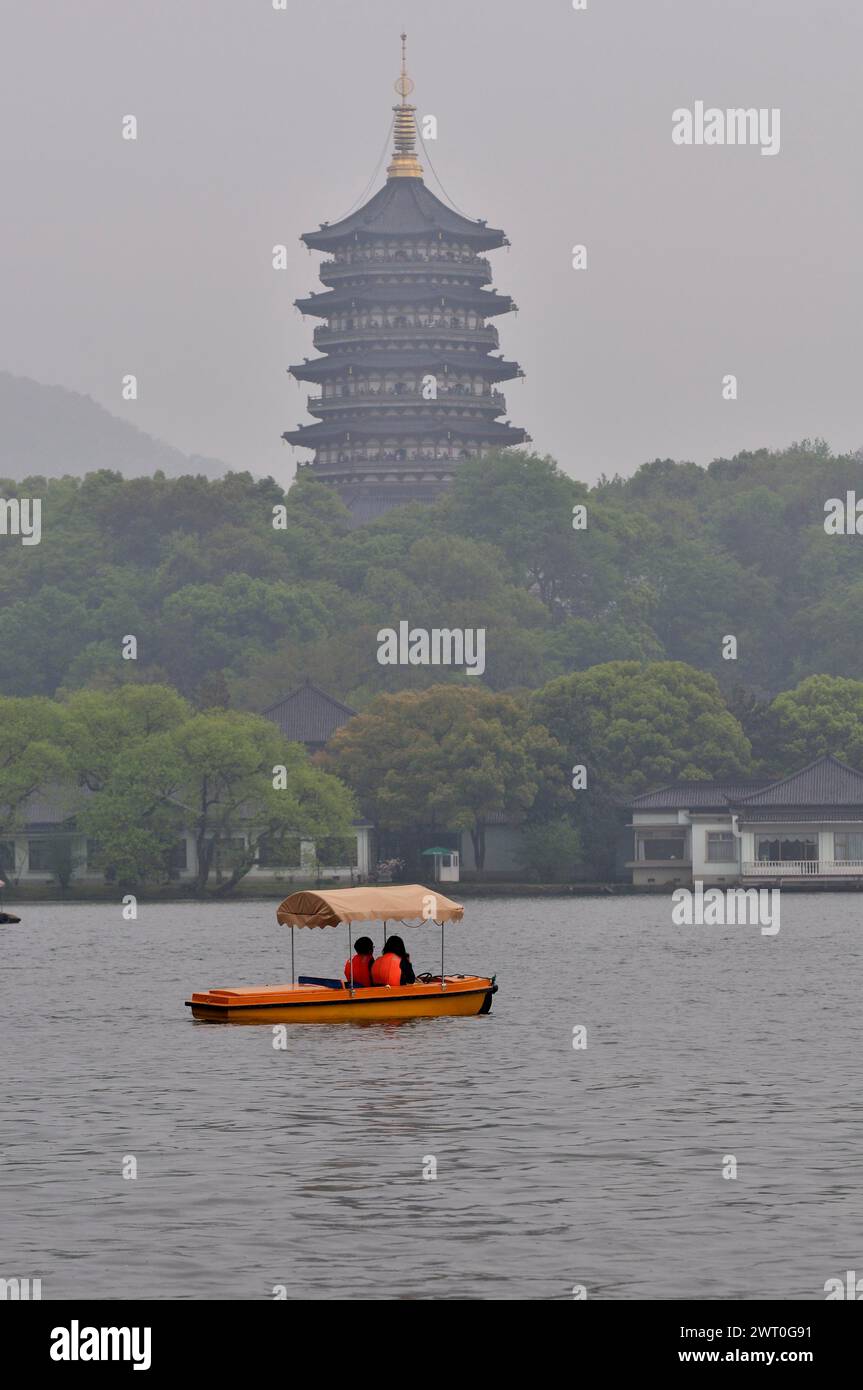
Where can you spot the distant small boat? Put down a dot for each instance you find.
(8, 917)
(315, 1000)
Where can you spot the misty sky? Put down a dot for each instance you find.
(256, 125)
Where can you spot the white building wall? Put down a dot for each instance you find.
(86, 872)
(702, 868)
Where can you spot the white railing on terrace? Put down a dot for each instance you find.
(801, 868)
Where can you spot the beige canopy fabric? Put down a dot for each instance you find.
(404, 902)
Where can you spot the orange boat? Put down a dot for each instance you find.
(314, 1000)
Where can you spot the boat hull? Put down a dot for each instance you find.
(463, 996)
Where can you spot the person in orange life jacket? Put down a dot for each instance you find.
(362, 962)
(394, 966)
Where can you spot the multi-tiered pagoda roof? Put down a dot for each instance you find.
(409, 363)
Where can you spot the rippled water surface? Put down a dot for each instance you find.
(555, 1167)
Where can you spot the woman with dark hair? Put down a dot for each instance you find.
(358, 970)
(394, 966)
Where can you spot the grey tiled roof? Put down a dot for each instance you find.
(826, 782)
(403, 207)
(53, 806)
(309, 715)
(695, 795)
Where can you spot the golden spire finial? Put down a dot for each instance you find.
(405, 164)
(403, 87)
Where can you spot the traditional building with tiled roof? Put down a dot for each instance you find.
(309, 716)
(805, 828)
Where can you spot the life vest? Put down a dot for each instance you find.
(387, 970)
(362, 970)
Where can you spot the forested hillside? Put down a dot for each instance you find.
(231, 608)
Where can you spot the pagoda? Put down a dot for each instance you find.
(407, 379)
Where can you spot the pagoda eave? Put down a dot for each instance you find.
(327, 239)
(322, 368)
(490, 431)
(404, 207)
(485, 302)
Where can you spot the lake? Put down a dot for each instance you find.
(556, 1166)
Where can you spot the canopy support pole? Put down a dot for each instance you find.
(351, 957)
(442, 977)
(293, 976)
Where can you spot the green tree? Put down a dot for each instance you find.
(550, 850)
(446, 758)
(101, 728)
(634, 726)
(213, 772)
(229, 761)
(524, 504)
(823, 714)
(39, 637)
(30, 756)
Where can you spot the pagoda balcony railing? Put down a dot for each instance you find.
(424, 263)
(440, 463)
(442, 274)
(434, 333)
(384, 397)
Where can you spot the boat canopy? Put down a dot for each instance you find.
(408, 903)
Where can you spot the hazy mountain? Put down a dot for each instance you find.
(51, 431)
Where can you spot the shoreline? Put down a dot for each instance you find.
(41, 893)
